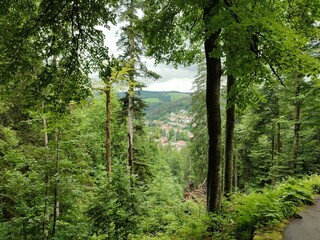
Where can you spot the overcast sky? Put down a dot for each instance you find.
(171, 79)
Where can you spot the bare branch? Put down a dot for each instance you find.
(277, 75)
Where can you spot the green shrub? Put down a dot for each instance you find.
(241, 217)
(297, 196)
(270, 206)
(114, 211)
(316, 188)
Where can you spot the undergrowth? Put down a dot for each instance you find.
(241, 217)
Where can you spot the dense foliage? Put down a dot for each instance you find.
(58, 132)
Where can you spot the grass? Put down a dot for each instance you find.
(272, 233)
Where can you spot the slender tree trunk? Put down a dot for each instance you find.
(235, 158)
(44, 122)
(246, 169)
(130, 133)
(276, 139)
(56, 209)
(278, 127)
(130, 97)
(108, 128)
(230, 121)
(45, 232)
(273, 142)
(296, 127)
(213, 113)
(278, 147)
(273, 153)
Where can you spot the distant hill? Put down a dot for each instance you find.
(161, 104)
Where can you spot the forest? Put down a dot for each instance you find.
(79, 162)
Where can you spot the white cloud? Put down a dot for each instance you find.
(172, 79)
(180, 85)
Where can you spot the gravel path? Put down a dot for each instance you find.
(307, 228)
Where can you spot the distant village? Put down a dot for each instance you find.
(175, 129)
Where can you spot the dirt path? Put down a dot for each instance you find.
(307, 228)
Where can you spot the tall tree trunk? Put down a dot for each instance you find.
(130, 96)
(235, 170)
(278, 127)
(296, 127)
(246, 169)
(278, 145)
(45, 232)
(213, 113)
(56, 209)
(273, 142)
(273, 153)
(278, 137)
(44, 122)
(108, 128)
(130, 132)
(276, 140)
(230, 121)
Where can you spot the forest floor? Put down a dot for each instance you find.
(307, 227)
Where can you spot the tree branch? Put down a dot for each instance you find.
(277, 75)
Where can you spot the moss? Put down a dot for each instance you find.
(275, 233)
(269, 236)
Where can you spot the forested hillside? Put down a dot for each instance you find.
(160, 104)
(232, 160)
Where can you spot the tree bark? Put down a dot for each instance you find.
(276, 139)
(246, 169)
(213, 112)
(132, 60)
(130, 95)
(273, 153)
(45, 232)
(130, 133)
(235, 170)
(273, 148)
(56, 209)
(296, 128)
(230, 120)
(278, 128)
(44, 122)
(108, 128)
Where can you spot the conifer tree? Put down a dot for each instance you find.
(133, 50)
